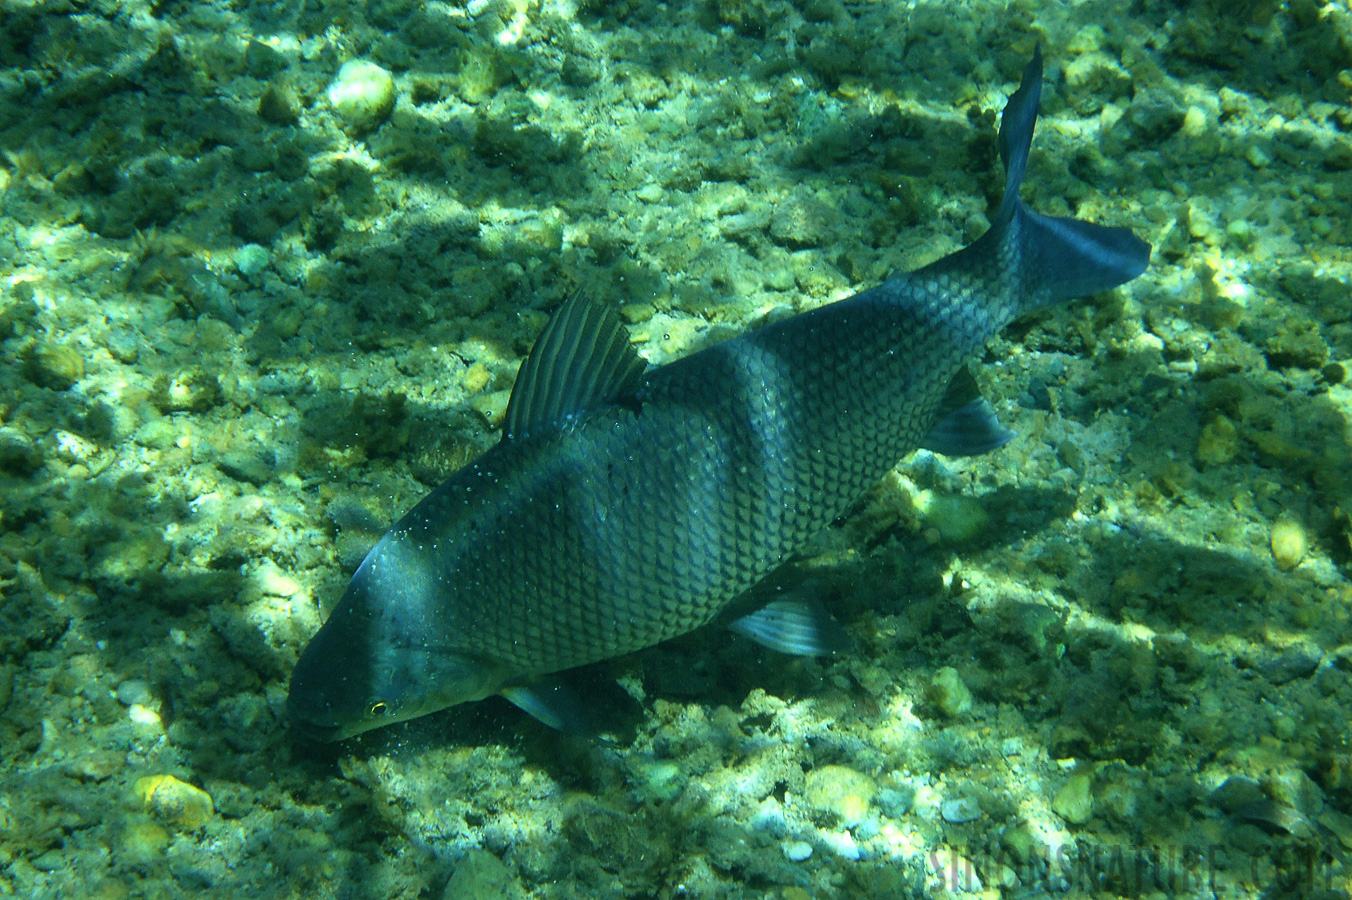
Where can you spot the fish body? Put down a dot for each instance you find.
(624, 507)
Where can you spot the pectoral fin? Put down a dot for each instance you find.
(552, 703)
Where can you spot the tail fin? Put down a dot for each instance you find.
(1057, 258)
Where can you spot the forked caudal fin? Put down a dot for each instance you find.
(1057, 258)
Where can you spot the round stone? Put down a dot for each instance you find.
(363, 94)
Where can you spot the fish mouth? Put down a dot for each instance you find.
(311, 730)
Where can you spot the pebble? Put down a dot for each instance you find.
(492, 406)
(841, 843)
(274, 582)
(55, 366)
(252, 259)
(480, 875)
(18, 452)
(1289, 543)
(134, 691)
(175, 802)
(363, 94)
(475, 378)
(948, 692)
(960, 809)
(191, 390)
(839, 790)
(1075, 802)
(797, 851)
(143, 842)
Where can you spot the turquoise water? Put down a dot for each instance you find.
(253, 310)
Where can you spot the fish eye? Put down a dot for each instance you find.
(378, 708)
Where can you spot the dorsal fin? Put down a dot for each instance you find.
(582, 360)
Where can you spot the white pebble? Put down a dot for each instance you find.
(797, 851)
(363, 94)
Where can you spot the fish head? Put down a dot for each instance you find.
(342, 686)
(379, 659)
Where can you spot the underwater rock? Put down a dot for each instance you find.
(191, 390)
(278, 105)
(948, 692)
(1093, 79)
(135, 691)
(797, 851)
(480, 876)
(841, 791)
(1289, 543)
(54, 366)
(18, 452)
(1075, 802)
(1218, 443)
(175, 802)
(362, 95)
(960, 809)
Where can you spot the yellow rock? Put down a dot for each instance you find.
(476, 378)
(840, 790)
(1075, 801)
(175, 802)
(1289, 543)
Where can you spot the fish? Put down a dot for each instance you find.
(626, 505)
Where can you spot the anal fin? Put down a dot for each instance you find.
(967, 425)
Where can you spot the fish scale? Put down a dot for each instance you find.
(624, 507)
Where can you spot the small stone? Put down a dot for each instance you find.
(278, 105)
(492, 406)
(953, 518)
(1075, 802)
(252, 259)
(55, 366)
(1196, 123)
(1218, 443)
(841, 843)
(1339, 824)
(191, 390)
(948, 692)
(896, 802)
(175, 802)
(287, 323)
(479, 876)
(635, 313)
(839, 790)
(18, 452)
(475, 378)
(274, 582)
(960, 809)
(1300, 661)
(134, 691)
(797, 851)
(143, 842)
(363, 94)
(1289, 543)
(246, 466)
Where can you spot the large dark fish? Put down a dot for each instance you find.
(624, 507)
